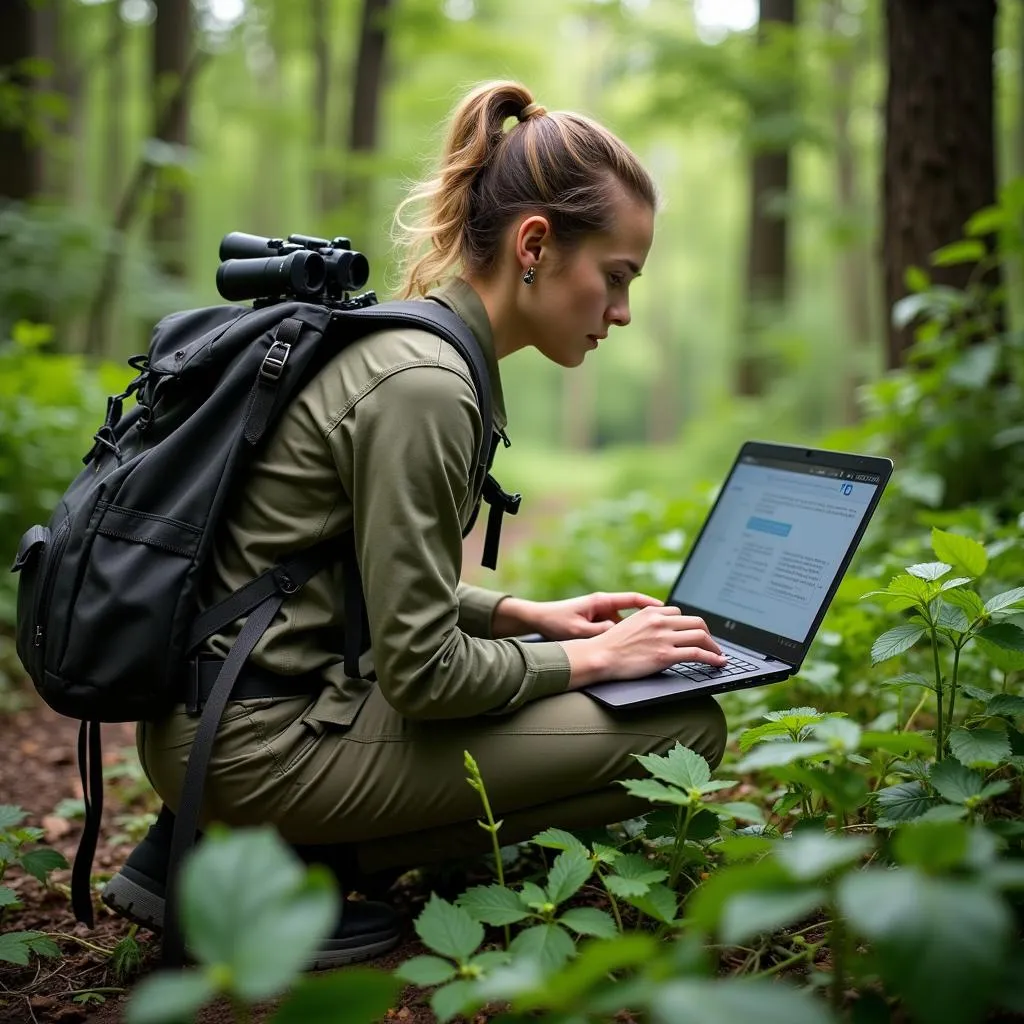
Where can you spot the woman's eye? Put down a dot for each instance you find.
(615, 280)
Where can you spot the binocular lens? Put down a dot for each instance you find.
(347, 270)
(300, 273)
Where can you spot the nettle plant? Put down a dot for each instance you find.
(19, 847)
(962, 629)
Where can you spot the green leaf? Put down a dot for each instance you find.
(493, 904)
(992, 789)
(909, 679)
(626, 887)
(557, 839)
(547, 943)
(570, 870)
(976, 692)
(10, 817)
(809, 856)
(987, 747)
(955, 583)
(929, 570)
(490, 959)
(448, 930)
(249, 903)
(169, 996)
(897, 742)
(589, 921)
(770, 755)
(39, 863)
(954, 782)
(932, 845)
(1004, 634)
(364, 993)
(963, 553)
(700, 1000)
(1007, 599)
(740, 809)
(680, 767)
(916, 279)
(656, 792)
(903, 802)
(941, 943)
(42, 945)
(14, 947)
(895, 641)
(839, 733)
(1008, 704)
(532, 895)
(761, 913)
(8, 897)
(658, 902)
(425, 970)
(951, 617)
(606, 854)
(943, 813)
(987, 221)
(1003, 659)
(453, 999)
(966, 600)
(639, 868)
(968, 250)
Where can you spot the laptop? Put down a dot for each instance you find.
(765, 567)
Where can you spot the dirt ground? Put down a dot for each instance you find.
(37, 771)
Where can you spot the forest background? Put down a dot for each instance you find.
(138, 133)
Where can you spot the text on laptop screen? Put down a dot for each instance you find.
(774, 543)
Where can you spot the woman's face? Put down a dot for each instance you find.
(578, 296)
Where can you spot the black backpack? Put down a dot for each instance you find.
(108, 615)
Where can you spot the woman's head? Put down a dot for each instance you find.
(555, 192)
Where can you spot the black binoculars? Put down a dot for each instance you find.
(299, 266)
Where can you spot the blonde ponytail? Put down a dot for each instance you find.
(556, 163)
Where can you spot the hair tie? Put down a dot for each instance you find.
(532, 110)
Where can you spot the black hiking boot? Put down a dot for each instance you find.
(367, 928)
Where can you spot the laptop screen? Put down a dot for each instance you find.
(774, 544)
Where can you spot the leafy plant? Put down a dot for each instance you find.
(39, 862)
(252, 916)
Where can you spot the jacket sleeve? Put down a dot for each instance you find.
(476, 608)
(406, 452)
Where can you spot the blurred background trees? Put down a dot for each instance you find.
(810, 153)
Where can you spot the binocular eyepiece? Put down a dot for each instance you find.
(299, 266)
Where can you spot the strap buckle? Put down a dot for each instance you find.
(273, 362)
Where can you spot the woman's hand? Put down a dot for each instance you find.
(641, 645)
(573, 619)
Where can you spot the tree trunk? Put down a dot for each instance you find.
(853, 263)
(18, 166)
(767, 255)
(321, 92)
(172, 43)
(939, 138)
(114, 148)
(364, 122)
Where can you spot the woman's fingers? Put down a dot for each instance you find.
(699, 654)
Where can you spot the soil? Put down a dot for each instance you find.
(37, 771)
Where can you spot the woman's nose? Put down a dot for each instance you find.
(619, 315)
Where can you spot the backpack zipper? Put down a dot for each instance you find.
(49, 581)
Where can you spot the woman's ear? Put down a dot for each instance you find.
(532, 238)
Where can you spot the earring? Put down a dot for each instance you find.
(530, 276)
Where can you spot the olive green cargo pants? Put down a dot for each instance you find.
(396, 787)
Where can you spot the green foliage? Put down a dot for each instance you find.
(252, 917)
(19, 848)
(50, 406)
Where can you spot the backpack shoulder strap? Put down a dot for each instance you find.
(446, 324)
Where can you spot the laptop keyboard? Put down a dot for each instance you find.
(698, 670)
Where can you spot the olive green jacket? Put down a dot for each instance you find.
(384, 441)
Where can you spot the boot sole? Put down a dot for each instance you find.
(145, 908)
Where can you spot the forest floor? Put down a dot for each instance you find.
(37, 771)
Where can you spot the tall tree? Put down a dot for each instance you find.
(18, 167)
(114, 134)
(364, 119)
(847, 53)
(321, 47)
(767, 248)
(939, 137)
(172, 45)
